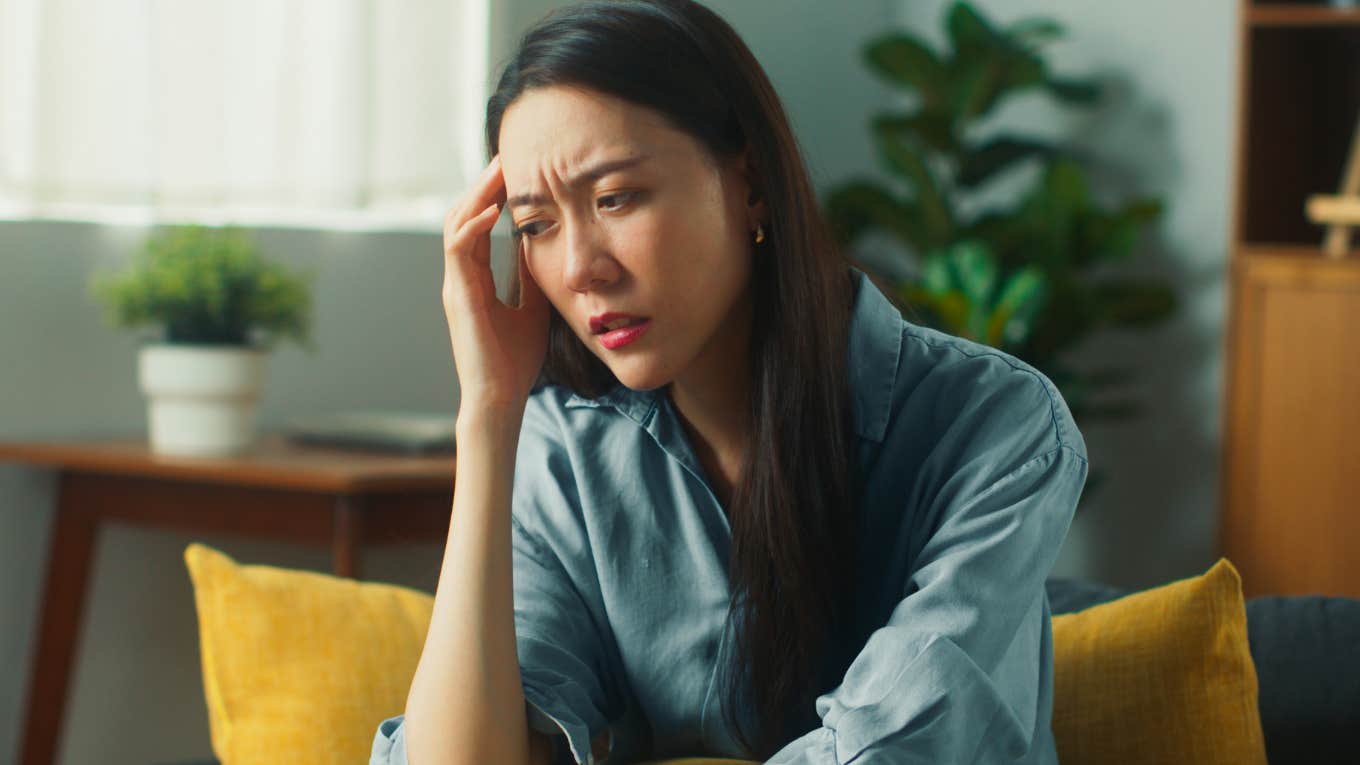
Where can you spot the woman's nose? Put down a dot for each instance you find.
(588, 264)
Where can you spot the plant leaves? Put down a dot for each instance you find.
(933, 129)
(993, 157)
(859, 205)
(969, 33)
(905, 60)
(1035, 31)
(974, 271)
(1021, 298)
(207, 285)
(973, 88)
(905, 158)
(1083, 92)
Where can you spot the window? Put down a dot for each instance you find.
(334, 113)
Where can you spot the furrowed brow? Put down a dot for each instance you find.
(589, 175)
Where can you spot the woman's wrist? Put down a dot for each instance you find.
(479, 417)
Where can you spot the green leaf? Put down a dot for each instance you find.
(206, 285)
(906, 159)
(995, 156)
(936, 274)
(858, 206)
(946, 311)
(1022, 70)
(969, 32)
(973, 88)
(974, 271)
(1021, 298)
(1035, 30)
(904, 60)
(1083, 92)
(932, 129)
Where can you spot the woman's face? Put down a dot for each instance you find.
(665, 235)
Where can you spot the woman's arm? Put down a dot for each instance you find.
(466, 703)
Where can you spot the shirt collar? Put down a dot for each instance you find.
(875, 346)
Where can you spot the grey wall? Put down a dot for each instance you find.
(137, 692)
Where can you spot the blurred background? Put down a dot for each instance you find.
(339, 136)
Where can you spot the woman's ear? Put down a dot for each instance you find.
(756, 207)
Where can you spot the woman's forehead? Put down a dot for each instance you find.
(566, 129)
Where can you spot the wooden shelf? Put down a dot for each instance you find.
(1286, 15)
(1291, 405)
(1294, 251)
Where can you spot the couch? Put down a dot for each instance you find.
(1305, 650)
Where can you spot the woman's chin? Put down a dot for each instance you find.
(638, 376)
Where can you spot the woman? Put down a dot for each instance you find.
(714, 495)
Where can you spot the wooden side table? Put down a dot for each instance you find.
(280, 490)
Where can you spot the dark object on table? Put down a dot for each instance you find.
(403, 432)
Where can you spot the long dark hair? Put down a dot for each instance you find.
(792, 512)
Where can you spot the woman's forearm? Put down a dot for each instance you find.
(466, 702)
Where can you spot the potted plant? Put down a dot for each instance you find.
(220, 309)
(1026, 276)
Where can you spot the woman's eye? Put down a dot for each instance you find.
(526, 229)
(621, 195)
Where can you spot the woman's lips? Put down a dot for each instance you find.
(617, 338)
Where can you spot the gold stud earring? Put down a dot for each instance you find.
(760, 233)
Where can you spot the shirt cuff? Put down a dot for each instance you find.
(550, 715)
(816, 747)
(389, 743)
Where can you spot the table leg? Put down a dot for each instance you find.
(346, 536)
(68, 574)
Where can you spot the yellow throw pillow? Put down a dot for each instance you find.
(300, 667)
(1163, 675)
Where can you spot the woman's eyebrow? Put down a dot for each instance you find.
(580, 179)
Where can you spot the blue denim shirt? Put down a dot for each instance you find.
(969, 466)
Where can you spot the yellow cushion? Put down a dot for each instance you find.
(1162, 675)
(300, 667)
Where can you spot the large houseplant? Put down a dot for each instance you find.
(219, 308)
(1024, 276)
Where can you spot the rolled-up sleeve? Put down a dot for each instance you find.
(566, 678)
(567, 665)
(560, 662)
(389, 743)
(962, 671)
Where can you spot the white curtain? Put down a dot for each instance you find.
(291, 112)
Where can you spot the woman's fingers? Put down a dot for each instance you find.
(488, 189)
(463, 240)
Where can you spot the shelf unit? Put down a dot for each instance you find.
(1290, 513)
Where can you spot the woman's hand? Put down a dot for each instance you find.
(497, 350)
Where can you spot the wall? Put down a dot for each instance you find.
(137, 695)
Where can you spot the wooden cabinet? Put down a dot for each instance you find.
(1290, 513)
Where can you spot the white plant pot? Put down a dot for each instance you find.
(201, 399)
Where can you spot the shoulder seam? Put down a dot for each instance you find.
(1027, 464)
(1044, 383)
